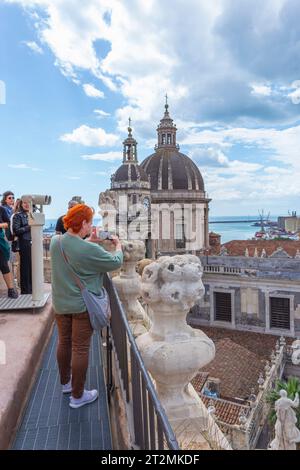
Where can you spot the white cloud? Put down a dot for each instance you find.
(260, 90)
(23, 166)
(295, 95)
(211, 156)
(92, 91)
(107, 157)
(206, 64)
(101, 113)
(19, 166)
(90, 137)
(72, 177)
(33, 46)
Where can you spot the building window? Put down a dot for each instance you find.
(280, 313)
(163, 139)
(222, 302)
(179, 236)
(169, 139)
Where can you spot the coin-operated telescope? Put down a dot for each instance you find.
(36, 200)
(36, 219)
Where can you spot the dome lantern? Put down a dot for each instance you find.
(166, 130)
(129, 147)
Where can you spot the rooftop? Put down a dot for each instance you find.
(238, 247)
(240, 357)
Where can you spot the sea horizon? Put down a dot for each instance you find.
(228, 231)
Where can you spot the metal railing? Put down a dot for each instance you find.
(152, 430)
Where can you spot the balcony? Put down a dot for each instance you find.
(141, 402)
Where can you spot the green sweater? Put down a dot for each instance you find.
(88, 260)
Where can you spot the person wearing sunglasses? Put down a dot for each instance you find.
(5, 255)
(7, 202)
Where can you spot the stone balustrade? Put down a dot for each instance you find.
(173, 352)
(128, 285)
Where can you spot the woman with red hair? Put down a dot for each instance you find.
(90, 261)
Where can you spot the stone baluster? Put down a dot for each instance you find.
(128, 285)
(173, 352)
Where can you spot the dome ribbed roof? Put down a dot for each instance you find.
(130, 172)
(171, 169)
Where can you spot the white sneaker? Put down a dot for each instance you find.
(67, 388)
(87, 397)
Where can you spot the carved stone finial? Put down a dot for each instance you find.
(273, 357)
(267, 368)
(282, 341)
(261, 381)
(263, 253)
(173, 352)
(223, 251)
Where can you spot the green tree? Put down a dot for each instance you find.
(292, 386)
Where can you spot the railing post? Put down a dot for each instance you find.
(128, 285)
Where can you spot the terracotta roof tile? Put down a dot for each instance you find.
(237, 368)
(238, 247)
(226, 411)
(198, 382)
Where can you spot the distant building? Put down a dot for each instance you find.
(289, 223)
(251, 293)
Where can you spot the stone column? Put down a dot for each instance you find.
(174, 352)
(128, 285)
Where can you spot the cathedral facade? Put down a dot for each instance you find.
(162, 200)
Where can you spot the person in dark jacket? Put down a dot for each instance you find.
(21, 228)
(5, 255)
(59, 228)
(7, 202)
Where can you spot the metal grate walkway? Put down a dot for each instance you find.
(50, 424)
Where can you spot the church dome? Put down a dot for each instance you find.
(171, 169)
(167, 167)
(130, 172)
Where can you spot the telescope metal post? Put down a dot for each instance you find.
(36, 222)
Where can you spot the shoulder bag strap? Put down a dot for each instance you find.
(74, 275)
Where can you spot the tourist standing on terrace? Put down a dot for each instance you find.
(59, 228)
(90, 262)
(7, 202)
(5, 255)
(22, 230)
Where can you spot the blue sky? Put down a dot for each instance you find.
(75, 71)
